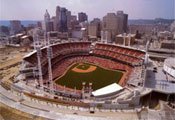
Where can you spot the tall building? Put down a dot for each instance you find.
(122, 22)
(57, 18)
(125, 23)
(110, 26)
(46, 16)
(15, 27)
(53, 22)
(69, 27)
(74, 23)
(114, 24)
(63, 20)
(48, 23)
(94, 28)
(82, 17)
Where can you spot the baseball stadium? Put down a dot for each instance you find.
(85, 69)
(87, 77)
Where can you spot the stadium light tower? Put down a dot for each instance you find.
(38, 49)
(124, 39)
(129, 39)
(101, 36)
(49, 57)
(106, 34)
(146, 55)
(45, 38)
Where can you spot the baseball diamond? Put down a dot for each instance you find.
(85, 72)
(84, 68)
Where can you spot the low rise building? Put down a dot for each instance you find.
(124, 39)
(168, 44)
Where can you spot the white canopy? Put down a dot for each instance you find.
(107, 90)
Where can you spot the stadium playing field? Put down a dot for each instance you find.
(85, 72)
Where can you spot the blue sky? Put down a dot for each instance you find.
(137, 9)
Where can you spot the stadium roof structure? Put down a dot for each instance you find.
(25, 36)
(107, 90)
(28, 55)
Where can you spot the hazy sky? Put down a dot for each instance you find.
(137, 9)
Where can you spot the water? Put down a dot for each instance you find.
(23, 22)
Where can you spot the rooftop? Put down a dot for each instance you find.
(170, 62)
(107, 90)
(158, 81)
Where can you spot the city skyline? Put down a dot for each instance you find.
(137, 9)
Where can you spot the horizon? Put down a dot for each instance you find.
(27, 22)
(92, 19)
(143, 9)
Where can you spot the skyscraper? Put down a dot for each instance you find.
(122, 22)
(68, 14)
(63, 20)
(47, 16)
(110, 26)
(48, 23)
(94, 28)
(82, 17)
(125, 23)
(57, 18)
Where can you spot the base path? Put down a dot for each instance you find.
(122, 80)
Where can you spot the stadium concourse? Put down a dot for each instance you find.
(113, 57)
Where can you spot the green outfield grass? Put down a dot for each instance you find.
(100, 77)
